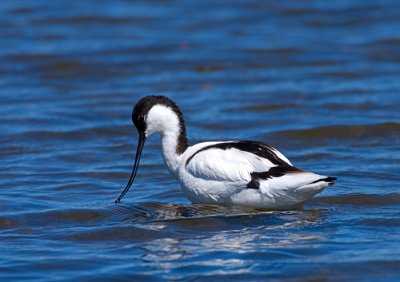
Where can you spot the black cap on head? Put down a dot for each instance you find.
(144, 105)
(139, 114)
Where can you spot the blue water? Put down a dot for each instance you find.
(319, 80)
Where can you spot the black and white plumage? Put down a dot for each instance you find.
(245, 173)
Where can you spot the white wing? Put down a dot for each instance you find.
(224, 162)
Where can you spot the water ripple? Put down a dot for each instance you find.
(316, 79)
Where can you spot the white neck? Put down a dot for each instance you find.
(169, 141)
(165, 121)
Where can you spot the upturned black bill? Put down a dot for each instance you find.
(139, 149)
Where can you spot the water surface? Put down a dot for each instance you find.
(318, 80)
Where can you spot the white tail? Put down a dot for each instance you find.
(296, 187)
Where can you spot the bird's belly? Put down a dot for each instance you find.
(205, 191)
(256, 199)
(201, 191)
(236, 193)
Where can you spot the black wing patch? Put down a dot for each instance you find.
(257, 148)
(276, 171)
(326, 179)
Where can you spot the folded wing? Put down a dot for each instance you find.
(234, 161)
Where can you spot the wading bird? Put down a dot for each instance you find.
(244, 173)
